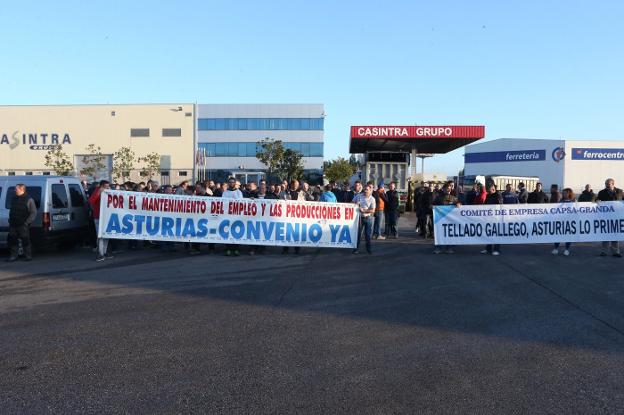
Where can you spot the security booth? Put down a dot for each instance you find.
(389, 150)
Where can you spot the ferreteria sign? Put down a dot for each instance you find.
(503, 156)
(412, 131)
(34, 141)
(521, 224)
(177, 218)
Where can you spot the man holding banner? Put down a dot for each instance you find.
(445, 199)
(492, 198)
(232, 193)
(569, 222)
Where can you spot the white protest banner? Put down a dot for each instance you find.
(178, 218)
(521, 224)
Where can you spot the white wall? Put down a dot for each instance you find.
(578, 173)
(548, 170)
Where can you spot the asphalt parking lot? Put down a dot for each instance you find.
(401, 331)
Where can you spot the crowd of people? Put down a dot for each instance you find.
(427, 196)
(378, 206)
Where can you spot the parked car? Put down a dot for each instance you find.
(62, 209)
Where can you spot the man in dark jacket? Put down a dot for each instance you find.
(392, 211)
(608, 194)
(472, 194)
(555, 194)
(538, 195)
(588, 195)
(523, 194)
(425, 212)
(492, 198)
(509, 196)
(21, 214)
(346, 195)
(446, 198)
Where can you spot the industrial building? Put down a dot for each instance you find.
(27, 132)
(205, 141)
(567, 163)
(227, 137)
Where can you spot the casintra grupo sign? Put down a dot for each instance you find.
(414, 131)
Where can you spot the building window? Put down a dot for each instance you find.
(207, 124)
(182, 174)
(46, 173)
(172, 132)
(139, 132)
(11, 173)
(29, 173)
(250, 149)
(164, 173)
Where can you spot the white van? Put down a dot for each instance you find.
(62, 209)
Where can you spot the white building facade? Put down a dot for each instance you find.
(227, 137)
(567, 163)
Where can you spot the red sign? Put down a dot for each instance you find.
(418, 131)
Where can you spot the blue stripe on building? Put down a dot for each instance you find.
(504, 156)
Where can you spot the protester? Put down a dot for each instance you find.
(391, 210)
(587, 195)
(22, 213)
(366, 204)
(567, 196)
(555, 194)
(94, 201)
(425, 212)
(417, 193)
(346, 195)
(194, 248)
(328, 195)
(357, 189)
(181, 189)
(294, 192)
(523, 194)
(232, 192)
(263, 192)
(445, 199)
(218, 190)
(608, 194)
(472, 194)
(155, 187)
(538, 195)
(492, 198)
(380, 202)
(509, 196)
(308, 194)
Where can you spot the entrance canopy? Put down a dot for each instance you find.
(424, 139)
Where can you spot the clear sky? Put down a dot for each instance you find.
(535, 69)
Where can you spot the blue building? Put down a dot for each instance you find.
(227, 137)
